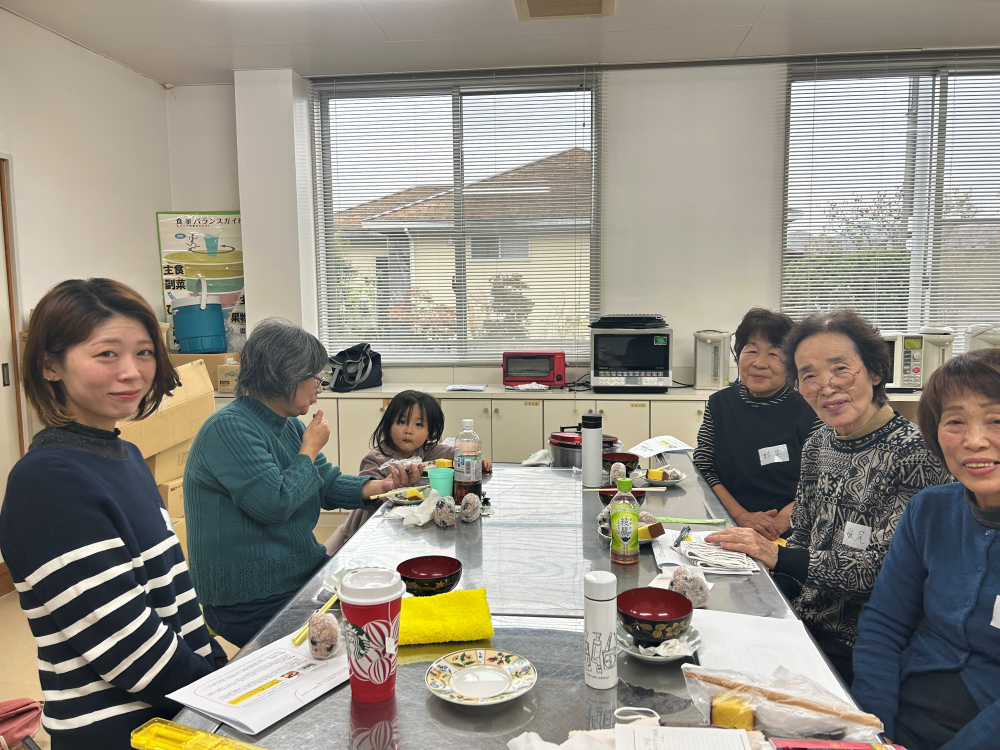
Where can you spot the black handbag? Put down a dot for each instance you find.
(355, 368)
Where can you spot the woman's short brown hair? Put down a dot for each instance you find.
(867, 340)
(975, 372)
(773, 326)
(66, 316)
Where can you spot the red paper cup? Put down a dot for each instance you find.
(370, 599)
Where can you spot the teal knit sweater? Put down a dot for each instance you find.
(251, 503)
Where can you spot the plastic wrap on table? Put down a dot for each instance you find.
(324, 635)
(471, 507)
(688, 583)
(444, 512)
(786, 704)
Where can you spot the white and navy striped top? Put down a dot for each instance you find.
(103, 583)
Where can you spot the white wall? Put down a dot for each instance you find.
(693, 186)
(87, 139)
(201, 126)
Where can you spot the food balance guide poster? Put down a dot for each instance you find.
(206, 244)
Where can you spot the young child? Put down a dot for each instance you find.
(411, 427)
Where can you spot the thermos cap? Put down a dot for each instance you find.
(591, 420)
(600, 585)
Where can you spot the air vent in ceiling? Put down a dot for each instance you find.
(532, 10)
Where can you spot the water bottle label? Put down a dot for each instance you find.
(468, 469)
(625, 532)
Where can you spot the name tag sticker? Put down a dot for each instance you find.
(857, 536)
(776, 454)
(995, 622)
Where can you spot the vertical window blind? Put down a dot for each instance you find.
(458, 215)
(893, 190)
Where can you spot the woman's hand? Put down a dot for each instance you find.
(398, 477)
(487, 466)
(765, 523)
(315, 437)
(749, 542)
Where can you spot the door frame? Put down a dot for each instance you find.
(7, 229)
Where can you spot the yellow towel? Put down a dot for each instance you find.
(455, 616)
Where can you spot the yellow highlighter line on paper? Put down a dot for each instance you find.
(256, 691)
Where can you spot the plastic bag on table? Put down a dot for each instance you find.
(783, 705)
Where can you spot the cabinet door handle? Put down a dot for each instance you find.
(600, 411)
(381, 410)
(497, 410)
(700, 412)
(486, 410)
(590, 411)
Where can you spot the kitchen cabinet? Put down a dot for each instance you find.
(358, 418)
(626, 420)
(517, 429)
(563, 413)
(678, 418)
(477, 409)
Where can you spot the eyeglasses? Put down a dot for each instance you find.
(840, 382)
(320, 383)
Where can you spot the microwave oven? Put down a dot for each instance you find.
(631, 360)
(546, 368)
(913, 357)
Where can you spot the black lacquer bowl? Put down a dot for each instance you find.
(430, 574)
(652, 616)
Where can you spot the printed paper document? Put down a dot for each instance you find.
(644, 737)
(253, 693)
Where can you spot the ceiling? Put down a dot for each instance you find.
(203, 41)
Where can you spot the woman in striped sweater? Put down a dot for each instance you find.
(96, 563)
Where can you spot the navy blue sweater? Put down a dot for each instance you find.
(104, 586)
(931, 610)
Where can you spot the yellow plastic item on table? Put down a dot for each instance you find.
(732, 712)
(160, 734)
(455, 616)
(443, 463)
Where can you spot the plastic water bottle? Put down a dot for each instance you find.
(624, 525)
(468, 463)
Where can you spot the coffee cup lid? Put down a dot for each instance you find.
(366, 586)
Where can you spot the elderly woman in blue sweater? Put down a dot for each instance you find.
(927, 658)
(256, 480)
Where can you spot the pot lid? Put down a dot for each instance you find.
(573, 439)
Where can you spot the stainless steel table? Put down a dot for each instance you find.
(530, 556)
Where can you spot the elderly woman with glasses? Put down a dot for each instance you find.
(750, 441)
(858, 472)
(256, 480)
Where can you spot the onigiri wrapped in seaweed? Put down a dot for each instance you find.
(444, 512)
(471, 506)
(618, 471)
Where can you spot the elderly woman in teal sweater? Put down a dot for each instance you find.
(256, 480)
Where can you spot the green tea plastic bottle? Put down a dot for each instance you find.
(624, 525)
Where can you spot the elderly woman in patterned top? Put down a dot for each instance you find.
(858, 472)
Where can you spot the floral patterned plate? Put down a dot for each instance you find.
(480, 677)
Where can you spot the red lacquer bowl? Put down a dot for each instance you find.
(430, 574)
(652, 615)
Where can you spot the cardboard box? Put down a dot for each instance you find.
(212, 362)
(226, 377)
(173, 498)
(169, 464)
(179, 416)
(180, 529)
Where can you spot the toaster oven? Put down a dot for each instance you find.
(546, 368)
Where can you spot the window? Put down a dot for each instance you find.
(457, 216)
(893, 191)
(501, 247)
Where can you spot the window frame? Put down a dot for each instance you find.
(459, 86)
